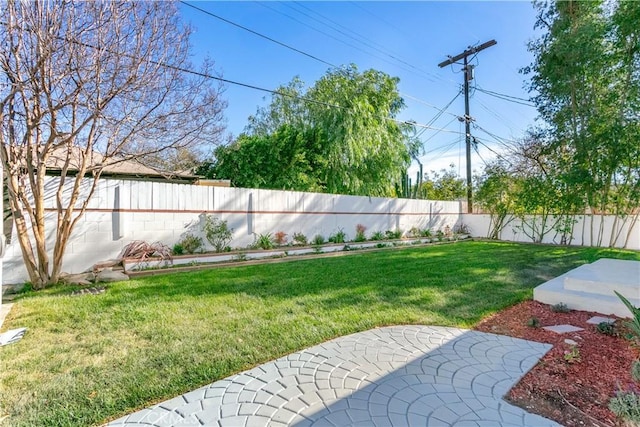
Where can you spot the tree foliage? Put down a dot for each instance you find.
(443, 185)
(338, 136)
(586, 74)
(88, 85)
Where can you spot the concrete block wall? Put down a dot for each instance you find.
(582, 231)
(121, 211)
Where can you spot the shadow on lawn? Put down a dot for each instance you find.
(447, 278)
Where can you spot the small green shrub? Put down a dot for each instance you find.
(606, 328)
(572, 355)
(360, 233)
(240, 257)
(533, 322)
(440, 234)
(560, 308)
(339, 237)
(635, 370)
(634, 323)
(393, 234)
(413, 232)
(378, 235)
(178, 249)
(318, 239)
(299, 239)
(426, 232)
(264, 241)
(190, 244)
(626, 405)
(217, 232)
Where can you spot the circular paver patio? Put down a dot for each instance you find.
(392, 376)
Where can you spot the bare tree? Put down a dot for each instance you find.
(86, 85)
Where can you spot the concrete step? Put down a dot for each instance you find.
(590, 287)
(606, 276)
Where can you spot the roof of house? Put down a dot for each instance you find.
(114, 167)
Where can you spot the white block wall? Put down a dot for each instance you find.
(582, 236)
(122, 211)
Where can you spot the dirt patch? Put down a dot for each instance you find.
(573, 391)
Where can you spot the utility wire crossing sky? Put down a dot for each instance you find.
(259, 46)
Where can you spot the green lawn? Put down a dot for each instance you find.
(88, 359)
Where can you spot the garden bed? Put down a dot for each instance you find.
(572, 387)
(133, 265)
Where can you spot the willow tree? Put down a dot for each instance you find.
(339, 136)
(365, 149)
(86, 85)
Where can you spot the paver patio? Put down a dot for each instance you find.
(392, 376)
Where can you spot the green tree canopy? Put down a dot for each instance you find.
(586, 74)
(339, 136)
(443, 185)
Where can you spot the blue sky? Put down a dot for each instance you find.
(403, 39)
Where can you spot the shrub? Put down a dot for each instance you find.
(190, 243)
(264, 241)
(339, 237)
(378, 235)
(560, 308)
(240, 257)
(318, 239)
(634, 323)
(393, 234)
(360, 233)
(533, 322)
(217, 232)
(440, 234)
(299, 239)
(635, 370)
(572, 355)
(426, 232)
(280, 238)
(178, 249)
(413, 232)
(626, 405)
(606, 328)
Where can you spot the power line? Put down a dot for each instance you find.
(442, 130)
(507, 98)
(505, 142)
(246, 85)
(361, 39)
(427, 126)
(500, 156)
(257, 34)
(419, 72)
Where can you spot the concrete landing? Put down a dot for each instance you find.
(393, 376)
(591, 287)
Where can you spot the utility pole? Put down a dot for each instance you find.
(468, 76)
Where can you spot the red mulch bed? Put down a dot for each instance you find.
(573, 394)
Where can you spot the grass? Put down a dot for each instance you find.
(88, 359)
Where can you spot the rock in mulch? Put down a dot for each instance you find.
(89, 291)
